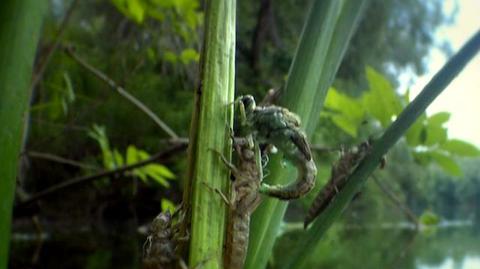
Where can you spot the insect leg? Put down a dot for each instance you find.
(226, 162)
(219, 192)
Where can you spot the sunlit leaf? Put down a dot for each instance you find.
(422, 158)
(189, 55)
(346, 112)
(448, 164)
(439, 119)
(380, 100)
(435, 135)
(132, 156)
(142, 155)
(141, 174)
(414, 133)
(117, 159)
(345, 124)
(429, 218)
(157, 14)
(160, 170)
(167, 205)
(170, 57)
(133, 9)
(460, 147)
(98, 133)
(157, 178)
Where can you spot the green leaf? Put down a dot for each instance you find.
(157, 178)
(151, 54)
(132, 156)
(448, 164)
(158, 173)
(117, 159)
(157, 14)
(142, 155)
(160, 170)
(98, 133)
(381, 101)
(414, 133)
(133, 9)
(168, 205)
(460, 148)
(429, 218)
(439, 118)
(435, 135)
(170, 57)
(422, 158)
(345, 124)
(141, 174)
(189, 55)
(348, 113)
(70, 94)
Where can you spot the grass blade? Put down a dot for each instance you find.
(325, 37)
(20, 23)
(394, 132)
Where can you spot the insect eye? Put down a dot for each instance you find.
(248, 101)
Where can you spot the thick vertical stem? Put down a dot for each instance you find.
(213, 115)
(19, 31)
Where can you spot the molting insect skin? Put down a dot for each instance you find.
(306, 170)
(160, 248)
(280, 127)
(245, 198)
(339, 176)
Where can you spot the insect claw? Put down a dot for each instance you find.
(219, 192)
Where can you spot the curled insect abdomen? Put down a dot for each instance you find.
(306, 173)
(237, 241)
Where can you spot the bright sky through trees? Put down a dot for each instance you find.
(462, 97)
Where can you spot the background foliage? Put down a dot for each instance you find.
(151, 48)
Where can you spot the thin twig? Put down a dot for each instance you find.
(40, 70)
(59, 159)
(70, 51)
(89, 178)
(389, 193)
(39, 242)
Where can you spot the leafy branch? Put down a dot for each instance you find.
(102, 174)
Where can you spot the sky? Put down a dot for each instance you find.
(462, 97)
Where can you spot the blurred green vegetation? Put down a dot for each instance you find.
(151, 48)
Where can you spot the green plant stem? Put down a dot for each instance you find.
(212, 118)
(327, 32)
(396, 201)
(380, 147)
(20, 23)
